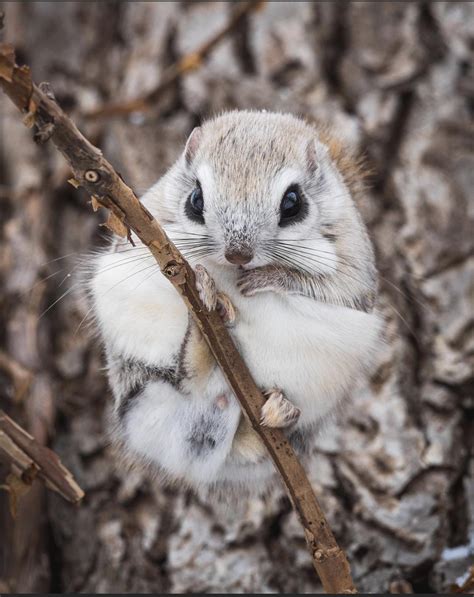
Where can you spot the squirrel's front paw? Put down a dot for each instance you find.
(278, 411)
(259, 279)
(211, 298)
(206, 287)
(226, 309)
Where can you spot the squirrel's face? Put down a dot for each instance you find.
(259, 188)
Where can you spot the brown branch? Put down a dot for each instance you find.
(100, 180)
(29, 459)
(22, 465)
(185, 65)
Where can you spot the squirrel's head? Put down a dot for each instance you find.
(254, 188)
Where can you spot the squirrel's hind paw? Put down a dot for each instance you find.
(278, 411)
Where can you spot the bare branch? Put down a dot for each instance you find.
(98, 177)
(187, 64)
(29, 459)
(20, 376)
(22, 465)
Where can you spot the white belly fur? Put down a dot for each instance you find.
(312, 351)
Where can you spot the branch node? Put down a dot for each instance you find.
(324, 554)
(74, 183)
(92, 176)
(172, 269)
(44, 132)
(47, 89)
(29, 119)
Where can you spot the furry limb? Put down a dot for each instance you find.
(107, 188)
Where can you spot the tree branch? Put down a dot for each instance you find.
(20, 376)
(30, 459)
(107, 188)
(187, 64)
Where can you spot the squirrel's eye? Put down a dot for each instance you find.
(197, 201)
(195, 205)
(291, 205)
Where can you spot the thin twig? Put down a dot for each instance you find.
(19, 375)
(100, 180)
(29, 459)
(185, 65)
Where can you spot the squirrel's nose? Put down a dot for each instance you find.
(238, 257)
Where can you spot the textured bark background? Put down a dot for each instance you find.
(396, 475)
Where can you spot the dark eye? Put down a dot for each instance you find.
(291, 208)
(195, 205)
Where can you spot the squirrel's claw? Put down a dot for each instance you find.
(213, 299)
(278, 411)
(226, 309)
(206, 287)
(258, 279)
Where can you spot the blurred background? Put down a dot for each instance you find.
(395, 476)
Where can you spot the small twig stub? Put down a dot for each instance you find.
(187, 64)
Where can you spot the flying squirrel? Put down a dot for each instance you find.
(263, 207)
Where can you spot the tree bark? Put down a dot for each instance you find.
(394, 476)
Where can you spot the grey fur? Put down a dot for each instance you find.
(246, 150)
(291, 281)
(129, 378)
(207, 434)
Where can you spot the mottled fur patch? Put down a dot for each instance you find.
(131, 377)
(196, 361)
(205, 436)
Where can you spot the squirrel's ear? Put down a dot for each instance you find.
(311, 156)
(192, 144)
(315, 154)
